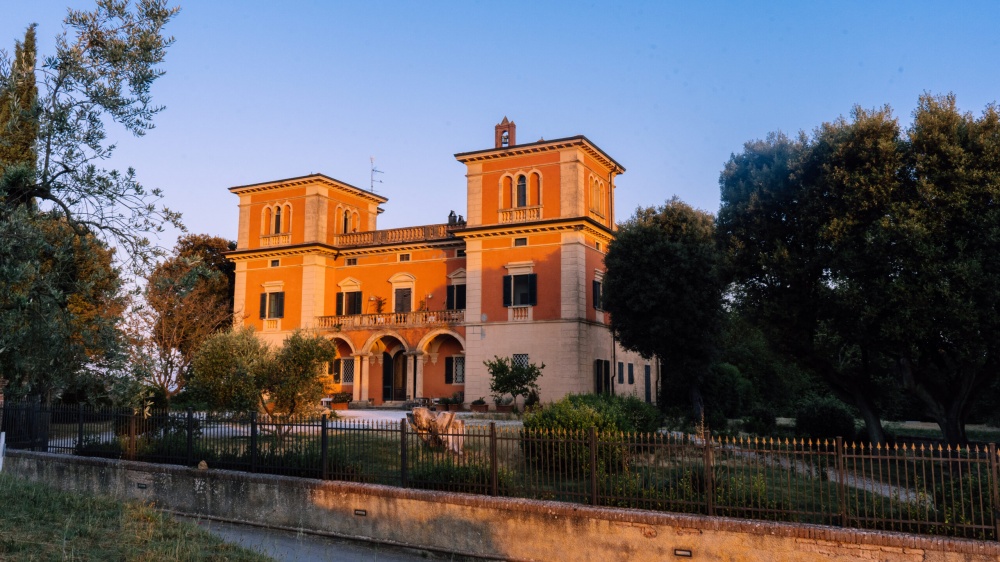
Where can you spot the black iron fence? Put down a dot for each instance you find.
(951, 491)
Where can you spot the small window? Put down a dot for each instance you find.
(520, 360)
(459, 253)
(272, 305)
(598, 295)
(404, 257)
(631, 374)
(275, 263)
(347, 371)
(598, 246)
(520, 241)
(351, 261)
(520, 290)
(454, 370)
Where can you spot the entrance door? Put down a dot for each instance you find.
(404, 299)
(393, 376)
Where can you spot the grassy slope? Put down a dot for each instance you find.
(41, 523)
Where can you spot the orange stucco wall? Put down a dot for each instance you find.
(496, 197)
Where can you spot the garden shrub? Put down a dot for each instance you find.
(569, 452)
(824, 418)
(761, 421)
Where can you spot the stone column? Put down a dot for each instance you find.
(365, 362)
(356, 387)
(418, 373)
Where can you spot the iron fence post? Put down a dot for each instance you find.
(493, 459)
(323, 471)
(709, 473)
(190, 436)
(402, 453)
(79, 428)
(131, 436)
(994, 490)
(253, 441)
(593, 466)
(841, 481)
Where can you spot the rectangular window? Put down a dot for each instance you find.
(631, 374)
(520, 290)
(598, 296)
(351, 261)
(404, 257)
(459, 253)
(520, 360)
(275, 263)
(349, 303)
(347, 371)
(621, 373)
(597, 245)
(456, 297)
(272, 305)
(520, 241)
(454, 370)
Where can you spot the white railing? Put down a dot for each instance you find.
(275, 239)
(369, 321)
(520, 314)
(272, 324)
(521, 214)
(392, 235)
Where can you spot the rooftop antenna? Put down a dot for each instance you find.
(371, 186)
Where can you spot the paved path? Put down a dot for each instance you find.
(295, 547)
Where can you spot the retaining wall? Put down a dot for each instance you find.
(510, 529)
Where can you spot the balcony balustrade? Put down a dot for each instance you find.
(275, 239)
(416, 318)
(392, 235)
(520, 214)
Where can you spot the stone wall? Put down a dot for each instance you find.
(510, 529)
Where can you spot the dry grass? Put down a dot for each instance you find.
(40, 523)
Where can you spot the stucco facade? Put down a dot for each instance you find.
(416, 311)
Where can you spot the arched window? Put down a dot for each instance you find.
(277, 221)
(267, 221)
(535, 191)
(505, 139)
(522, 191)
(347, 222)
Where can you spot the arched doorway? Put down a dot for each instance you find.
(394, 375)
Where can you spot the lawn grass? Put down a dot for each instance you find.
(41, 523)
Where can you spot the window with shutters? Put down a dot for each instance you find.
(454, 369)
(456, 297)
(272, 305)
(631, 374)
(597, 295)
(621, 373)
(348, 303)
(520, 290)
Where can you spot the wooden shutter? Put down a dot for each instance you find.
(460, 297)
(263, 305)
(340, 304)
(596, 290)
(631, 374)
(533, 289)
(451, 297)
(280, 304)
(449, 370)
(621, 373)
(598, 380)
(507, 282)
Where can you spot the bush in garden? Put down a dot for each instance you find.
(824, 418)
(761, 421)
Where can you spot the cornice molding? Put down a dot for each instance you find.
(309, 180)
(578, 141)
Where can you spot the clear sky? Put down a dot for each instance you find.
(264, 90)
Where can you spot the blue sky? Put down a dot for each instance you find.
(263, 90)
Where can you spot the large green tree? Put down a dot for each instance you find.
(102, 71)
(664, 291)
(867, 254)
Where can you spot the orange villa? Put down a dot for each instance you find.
(415, 311)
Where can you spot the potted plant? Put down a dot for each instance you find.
(505, 405)
(339, 400)
(442, 404)
(479, 405)
(457, 399)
